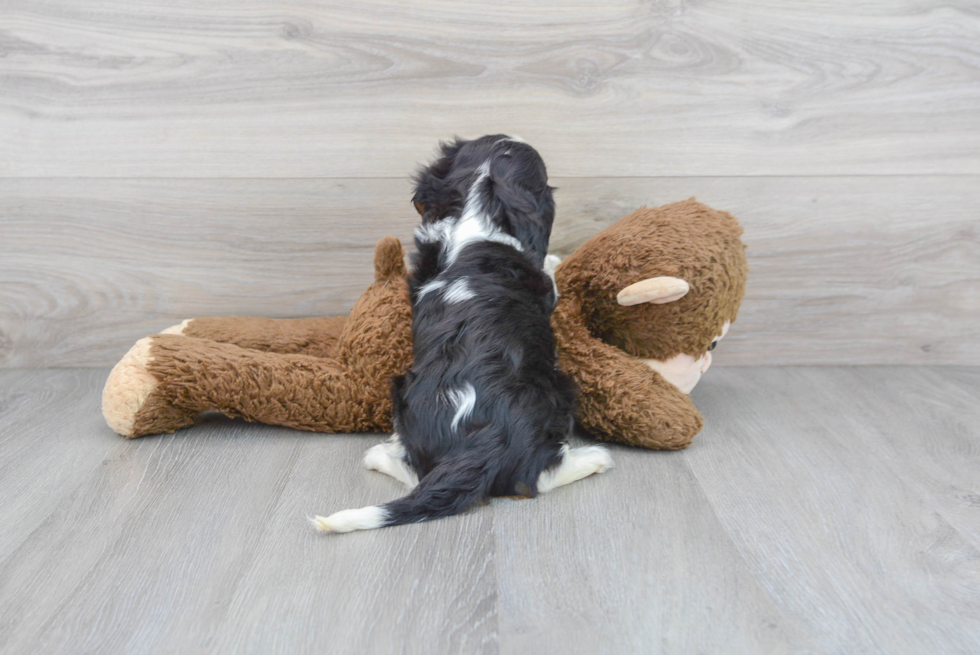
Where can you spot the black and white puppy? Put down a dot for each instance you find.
(484, 411)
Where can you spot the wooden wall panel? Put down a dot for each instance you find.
(844, 270)
(321, 88)
(162, 160)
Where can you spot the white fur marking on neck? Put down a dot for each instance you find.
(474, 225)
(437, 232)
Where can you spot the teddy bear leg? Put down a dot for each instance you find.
(385, 304)
(343, 387)
(130, 402)
(165, 381)
(298, 391)
(299, 336)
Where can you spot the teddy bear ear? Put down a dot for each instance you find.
(658, 290)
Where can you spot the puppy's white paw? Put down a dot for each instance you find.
(375, 458)
(598, 457)
(576, 463)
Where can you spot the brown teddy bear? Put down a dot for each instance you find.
(641, 304)
(322, 374)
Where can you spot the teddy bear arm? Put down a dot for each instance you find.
(621, 398)
(651, 414)
(376, 343)
(317, 337)
(166, 380)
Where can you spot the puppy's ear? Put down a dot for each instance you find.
(538, 231)
(443, 165)
(528, 215)
(434, 196)
(519, 199)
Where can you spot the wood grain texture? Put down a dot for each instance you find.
(636, 562)
(830, 510)
(821, 510)
(865, 270)
(318, 88)
(199, 541)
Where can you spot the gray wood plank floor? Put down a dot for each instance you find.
(821, 510)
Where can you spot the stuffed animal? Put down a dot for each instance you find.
(640, 306)
(322, 374)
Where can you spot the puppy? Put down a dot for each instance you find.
(484, 411)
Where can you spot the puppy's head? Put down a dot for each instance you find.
(501, 177)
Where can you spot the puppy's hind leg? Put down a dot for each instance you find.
(388, 457)
(576, 463)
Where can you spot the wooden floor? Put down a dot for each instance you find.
(830, 510)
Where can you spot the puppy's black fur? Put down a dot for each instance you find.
(496, 341)
(516, 194)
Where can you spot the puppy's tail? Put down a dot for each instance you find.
(450, 488)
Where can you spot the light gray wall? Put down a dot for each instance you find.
(161, 160)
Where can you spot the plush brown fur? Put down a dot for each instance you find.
(317, 337)
(333, 374)
(599, 340)
(685, 239)
(339, 380)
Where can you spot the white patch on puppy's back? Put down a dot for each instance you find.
(458, 291)
(464, 400)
